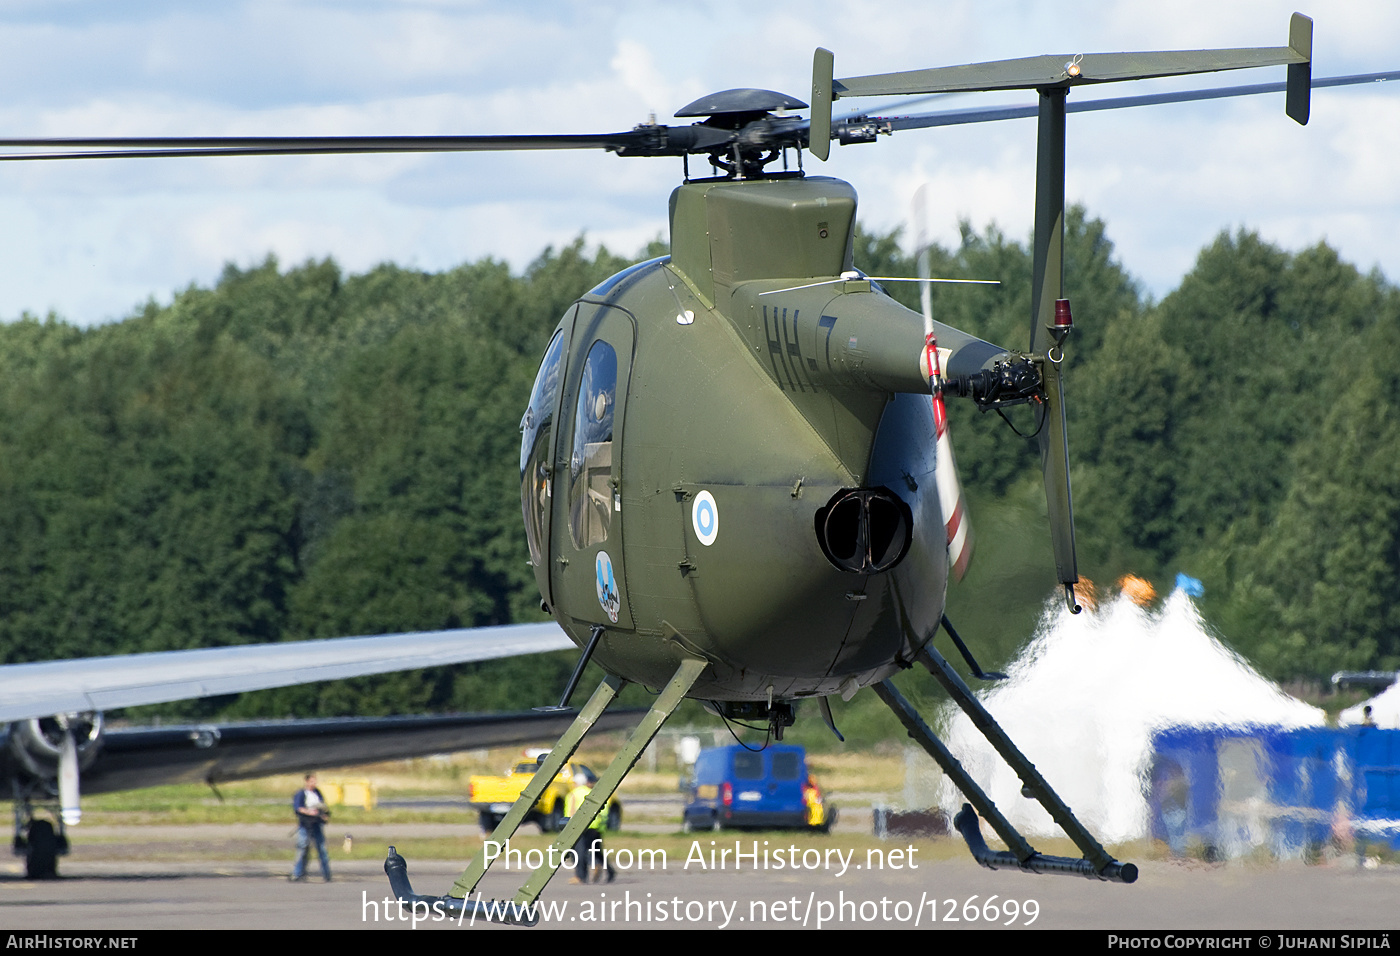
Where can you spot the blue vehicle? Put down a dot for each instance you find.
(735, 787)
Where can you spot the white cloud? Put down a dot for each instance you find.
(92, 240)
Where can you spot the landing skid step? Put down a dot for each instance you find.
(521, 910)
(452, 907)
(968, 824)
(1020, 855)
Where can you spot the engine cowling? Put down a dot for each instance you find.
(54, 751)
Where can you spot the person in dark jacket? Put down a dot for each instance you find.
(310, 807)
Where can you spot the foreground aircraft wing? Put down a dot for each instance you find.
(43, 758)
(105, 683)
(139, 757)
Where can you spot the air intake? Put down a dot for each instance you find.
(865, 530)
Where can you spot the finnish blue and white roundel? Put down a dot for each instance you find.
(704, 515)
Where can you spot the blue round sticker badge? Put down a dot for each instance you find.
(704, 516)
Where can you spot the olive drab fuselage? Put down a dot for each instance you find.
(735, 462)
(708, 470)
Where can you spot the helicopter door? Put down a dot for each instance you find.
(586, 531)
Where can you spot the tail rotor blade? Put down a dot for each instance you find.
(950, 495)
(1054, 461)
(945, 469)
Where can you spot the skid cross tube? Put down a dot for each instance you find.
(521, 910)
(544, 775)
(1032, 782)
(572, 685)
(921, 733)
(665, 704)
(456, 903)
(1022, 856)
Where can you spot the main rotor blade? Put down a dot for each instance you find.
(133, 147)
(994, 113)
(646, 140)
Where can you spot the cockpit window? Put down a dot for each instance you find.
(541, 408)
(536, 429)
(590, 464)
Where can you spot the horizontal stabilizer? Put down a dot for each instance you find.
(1075, 69)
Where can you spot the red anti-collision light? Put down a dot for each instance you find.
(1063, 318)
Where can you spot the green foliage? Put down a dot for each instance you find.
(299, 453)
(145, 493)
(290, 454)
(1243, 431)
(1327, 568)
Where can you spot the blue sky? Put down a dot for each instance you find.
(92, 241)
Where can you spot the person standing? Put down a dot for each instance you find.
(311, 811)
(589, 847)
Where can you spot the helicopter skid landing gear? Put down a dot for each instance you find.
(520, 910)
(1097, 864)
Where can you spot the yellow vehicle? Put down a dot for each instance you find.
(491, 796)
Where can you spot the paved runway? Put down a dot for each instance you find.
(240, 895)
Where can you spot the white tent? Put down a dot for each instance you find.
(1084, 699)
(1385, 709)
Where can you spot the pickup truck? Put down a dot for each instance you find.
(491, 797)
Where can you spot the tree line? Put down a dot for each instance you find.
(299, 453)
